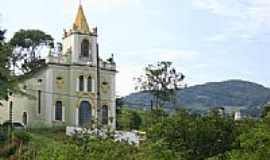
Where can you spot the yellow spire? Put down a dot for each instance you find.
(80, 24)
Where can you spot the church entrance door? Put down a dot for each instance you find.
(85, 114)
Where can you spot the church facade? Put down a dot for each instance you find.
(66, 92)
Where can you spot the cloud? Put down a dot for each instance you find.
(246, 18)
(217, 38)
(221, 7)
(114, 4)
(133, 63)
(163, 54)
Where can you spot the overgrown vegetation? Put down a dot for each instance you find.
(12, 146)
(181, 135)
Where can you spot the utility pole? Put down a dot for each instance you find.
(98, 89)
(10, 127)
(10, 105)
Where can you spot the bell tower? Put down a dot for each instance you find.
(80, 42)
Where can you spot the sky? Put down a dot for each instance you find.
(207, 40)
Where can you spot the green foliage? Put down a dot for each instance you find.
(153, 117)
(10, 150)
(30, 38)
(253, 141)
(3, 137)
(27, 42)
(195, 137)
(112, 150)
(10, 147)
(266, 111)
(12, 56)
(79, 148)
(181, 136)
(2, 33)
(7, 81)
(162, 80)
(22, 136)
(129, 119)
(154, 151)
(46, 148)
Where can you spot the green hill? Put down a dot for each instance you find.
(232, 95)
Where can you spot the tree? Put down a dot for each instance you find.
(161, 80)
(7, 80)
(19, 54)
(266, 110)
(2, 37)
(129, 119)
(194, 137)
(253, 141)
(26, 45)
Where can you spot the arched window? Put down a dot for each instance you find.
(24, 118)
(104, 113)
(58, 111)
(85, 48)
(89, 84)
(81, 83)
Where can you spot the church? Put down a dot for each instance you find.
(76, 88)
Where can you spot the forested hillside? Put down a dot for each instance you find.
(233, 95)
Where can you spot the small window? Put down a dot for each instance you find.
(104, 113)
(58, 111)
(39, 101)
(85, 48)
(89, 84)
(81, 83)
(25, 118)
(10, 109)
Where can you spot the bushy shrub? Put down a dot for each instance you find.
(8, 150)
(3, 137)
(11, 150)
(129, 119)
(22, 136)
(193, 137)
